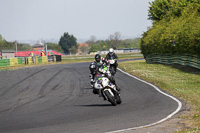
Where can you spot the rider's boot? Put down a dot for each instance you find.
(92, 83)
(118, 89)
(95, 91)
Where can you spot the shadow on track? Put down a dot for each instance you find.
(96, 105)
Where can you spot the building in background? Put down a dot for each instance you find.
(6, 54)
(83, 48)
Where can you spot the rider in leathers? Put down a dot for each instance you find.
(111, 54)
(94, 69)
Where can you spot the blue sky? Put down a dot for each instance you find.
(36, 19)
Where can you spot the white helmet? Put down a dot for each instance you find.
(111, 51)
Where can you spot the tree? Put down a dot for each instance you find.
(158, 9)
(73, 50)
(68, 43)
(1, 38)
(94, 48)
(166, 9)
(2, 42)
(115, 40)
(177, 35)
(54, 46)
(21, 46)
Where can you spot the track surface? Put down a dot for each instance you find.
(58, 98)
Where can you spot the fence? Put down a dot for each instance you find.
(185, 60)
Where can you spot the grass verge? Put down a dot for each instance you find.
(182, 82)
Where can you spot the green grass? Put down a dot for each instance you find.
(182, 82)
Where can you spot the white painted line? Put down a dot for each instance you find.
(169, 116)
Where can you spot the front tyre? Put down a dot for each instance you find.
(111, 98)
(113, 70)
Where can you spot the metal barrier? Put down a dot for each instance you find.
(185, 60)
(53, 58)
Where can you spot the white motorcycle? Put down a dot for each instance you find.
(106, 89)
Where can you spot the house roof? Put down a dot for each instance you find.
(82, 44)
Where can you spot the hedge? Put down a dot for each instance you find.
(180, 35)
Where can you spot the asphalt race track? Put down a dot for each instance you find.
(59, 99)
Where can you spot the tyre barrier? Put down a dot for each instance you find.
(58, 58)
(29, 60)
(22, 60)
(169, 59)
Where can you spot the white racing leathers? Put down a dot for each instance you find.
(106, 89)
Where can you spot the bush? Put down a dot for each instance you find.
(179, 35)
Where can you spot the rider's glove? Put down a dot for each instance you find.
(101, 70)
(106, 74)
(109, 74)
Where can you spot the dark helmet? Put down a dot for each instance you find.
(97, 58)
(93, 68)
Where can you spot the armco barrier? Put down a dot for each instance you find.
(185, 60)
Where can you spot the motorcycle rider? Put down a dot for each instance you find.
(112, 56)
(96, 68)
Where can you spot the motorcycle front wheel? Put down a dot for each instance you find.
(111, 99)
(113, 70)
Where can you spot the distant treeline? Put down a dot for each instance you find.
(5, 45)
(114, 41)
(68, 44)
(175, 30)
(106, 44)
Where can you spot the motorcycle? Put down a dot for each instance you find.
(113, 66)
(106, 89)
